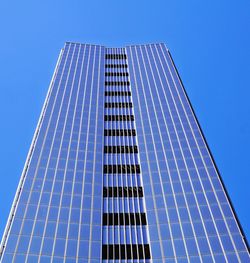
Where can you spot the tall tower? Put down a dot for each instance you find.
(119, 170)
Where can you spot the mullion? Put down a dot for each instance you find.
(116, 157)
(124, 126)
(117, 180)
(136, 182)
(127, 235)
(113, 161)
(107, 177)
(110, 206)
(133, 217)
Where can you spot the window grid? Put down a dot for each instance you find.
(185, 136)
(119, 170)
(219, 203)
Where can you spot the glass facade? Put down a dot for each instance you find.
(119, 170)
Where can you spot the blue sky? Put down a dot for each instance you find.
(209, 41)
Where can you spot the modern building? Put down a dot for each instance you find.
(119, 170)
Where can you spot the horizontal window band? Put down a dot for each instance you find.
(116, 74)
(118, 105)
(121, 149)
(126, 251)
(122, 191)
(116, 66)
(121, 169)
(120, 132)
(117, 93)
(115, 56)
(117, 83)
(119, 118)
(121, 219)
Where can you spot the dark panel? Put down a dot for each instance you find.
(126, 251)
(116, 66)
(118, 105)
(110, 219)
(121, 149)
(122, 192)
(117, 93)
(115, 56)
(121, 169)
(117, 83)
(120, 132)
(116, 74)
(119, 117)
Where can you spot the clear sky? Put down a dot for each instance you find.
(210, 44)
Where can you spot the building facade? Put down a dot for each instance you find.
(119, 170)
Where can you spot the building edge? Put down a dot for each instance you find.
(211, 155)
(26, 164)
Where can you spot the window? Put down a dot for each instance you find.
(128, 251)
(119, 118)
(121, 149)
(116, 66)
(116, 74)
(120, 132)
(111, 219)
(121, 169)
(117, 93)
(115, 56)
(117, 83)
(122, 192)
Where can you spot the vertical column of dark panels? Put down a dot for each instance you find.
(124, 215)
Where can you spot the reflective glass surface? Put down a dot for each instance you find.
(118, 170)
(59, 212)
(189, 215)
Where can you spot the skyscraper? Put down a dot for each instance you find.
(119, 170)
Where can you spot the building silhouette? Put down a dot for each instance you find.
(119, 170)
